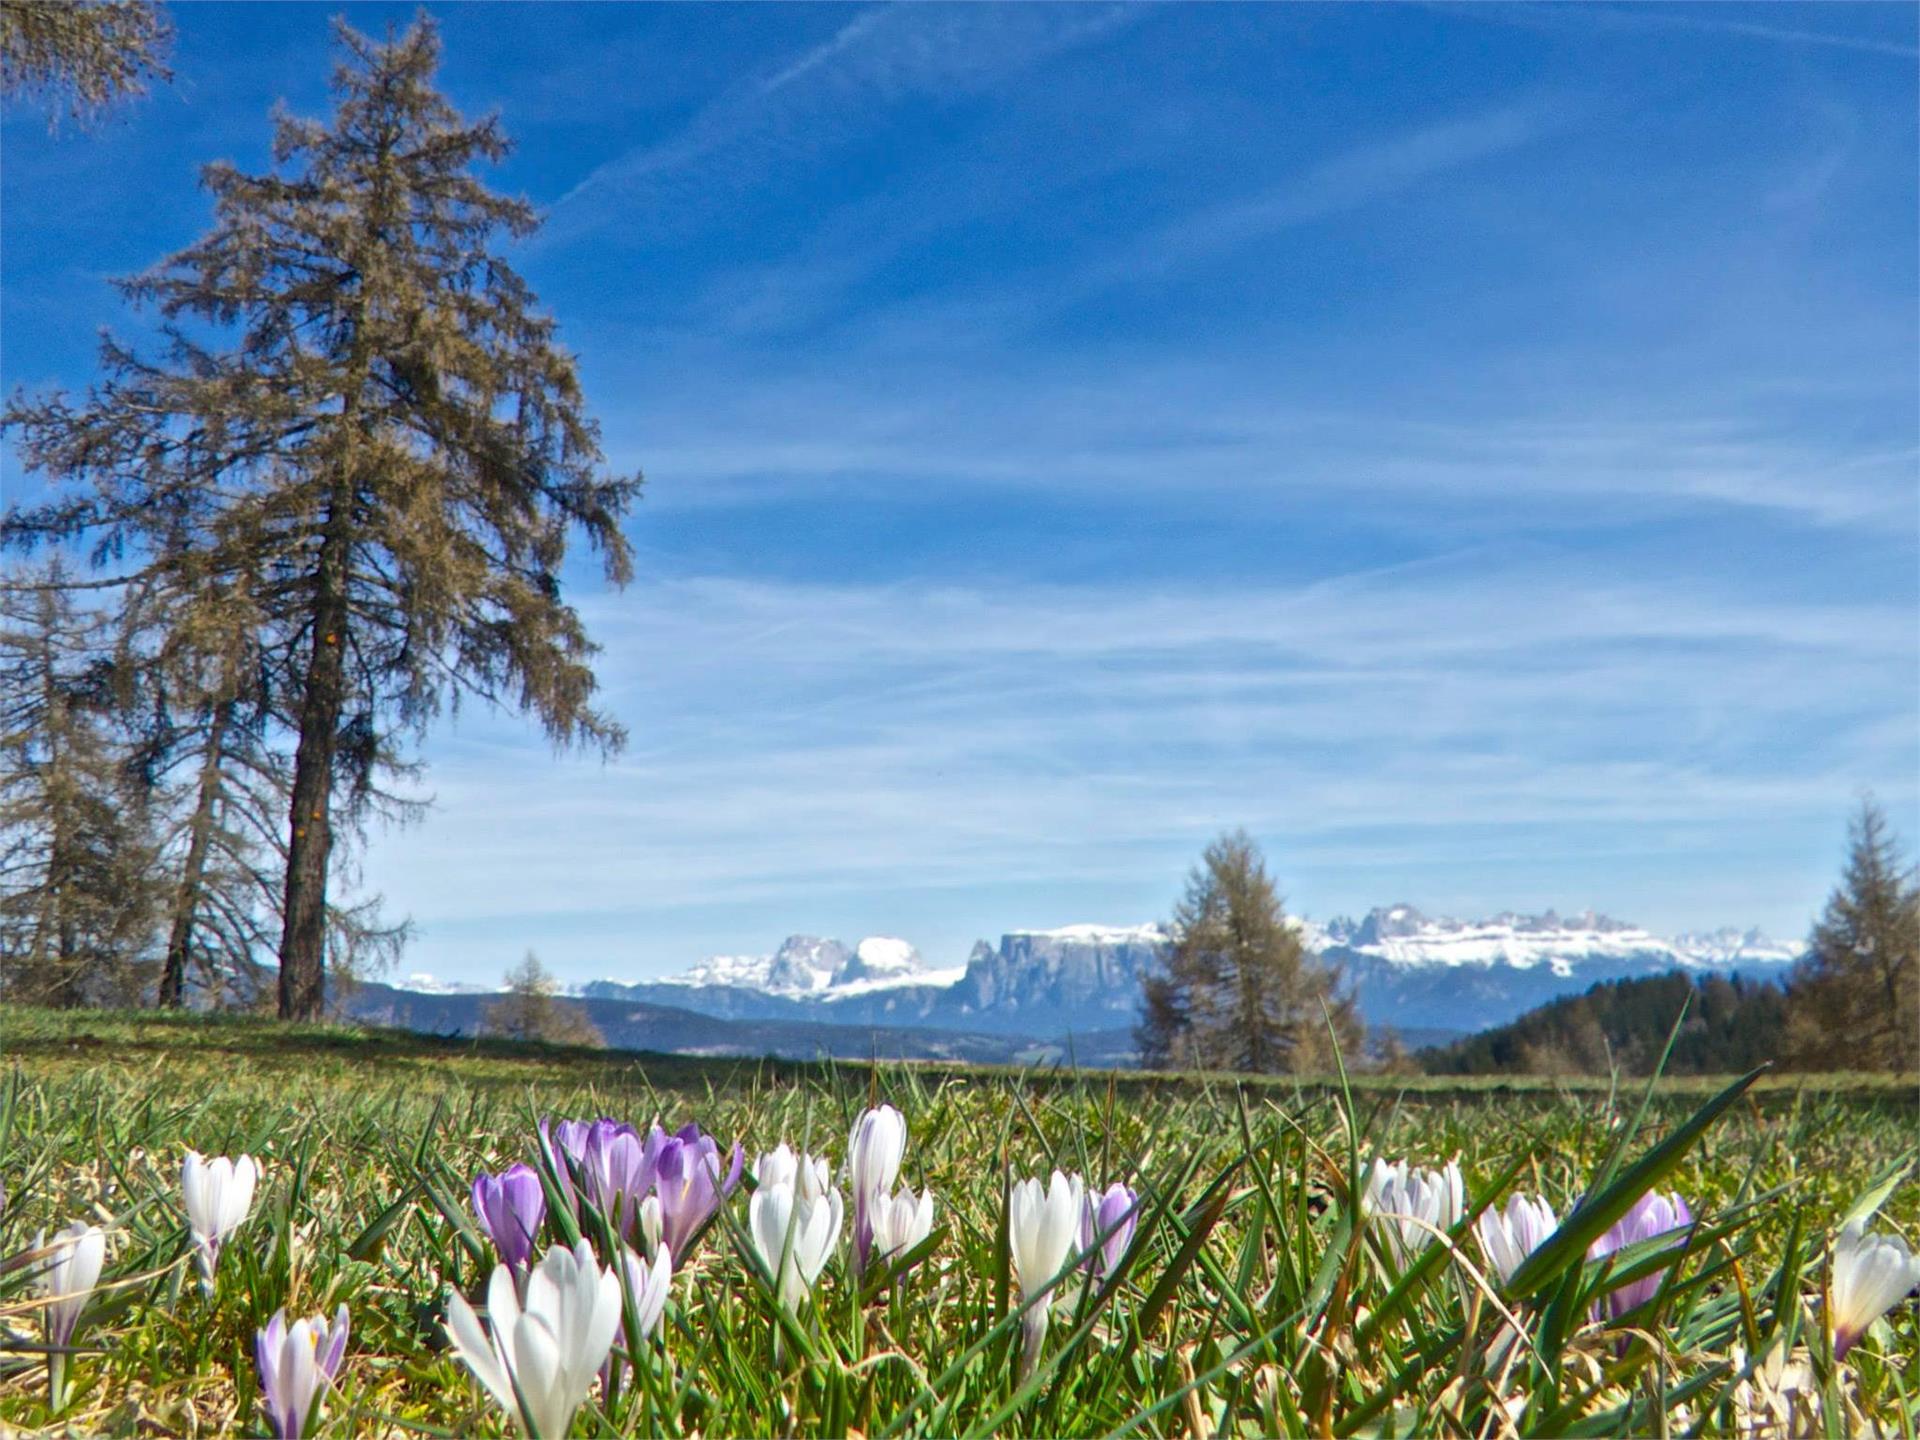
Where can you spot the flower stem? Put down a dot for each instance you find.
(56, 1382)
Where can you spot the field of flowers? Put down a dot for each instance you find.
(222, 1226)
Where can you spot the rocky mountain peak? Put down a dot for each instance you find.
(805, 962)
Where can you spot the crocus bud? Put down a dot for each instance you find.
(1109, 1224)
(874, 1150)
(218, 1195)
(511, 1207)
(650, 1224)
(649, 1283)
(1042, 1226)
(68, 1275)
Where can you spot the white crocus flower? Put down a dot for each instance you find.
(537, 1357)
(649, 1283)
(218, 1195)
(1871, 1272)
(67, 1277)
(1414, 1199)
(874, 1151)
(650, 1223)
(780, 1166)
(1510, 1237)
(875, 1148)
(1043, 1227)
(794, 1220)
(902, 1222)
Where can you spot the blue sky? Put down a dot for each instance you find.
(1472, 447)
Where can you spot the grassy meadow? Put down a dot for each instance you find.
(1250, 1302)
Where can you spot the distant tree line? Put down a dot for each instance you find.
(1732, 1024)
(335, 502)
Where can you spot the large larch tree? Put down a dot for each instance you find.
(361, 406)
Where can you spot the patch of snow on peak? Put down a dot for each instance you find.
(1402, 935)
(1732, 946)
(748, 971)
(421, 983)
(1148, 934)
(809, 966)
(886, 953)
(933, 979)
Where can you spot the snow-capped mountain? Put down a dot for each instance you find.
(1404, 936)
(1731, 948)
(1042, 983)
(421, 983)
(1410, 970)
(807, 967)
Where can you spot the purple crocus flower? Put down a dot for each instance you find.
(686, 1176)
(1109, 1219)
(1652, 1215)
(564, 1144)
(296, 1363)
(511, 1206)
(616, 1170)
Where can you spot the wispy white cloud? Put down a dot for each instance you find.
(803, 744)
(1701, 18)
(1712, 19)
(852, 245)
(815, 101)
(1361, 176)
(1123, 428)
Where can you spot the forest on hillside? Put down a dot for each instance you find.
(1726, 1025)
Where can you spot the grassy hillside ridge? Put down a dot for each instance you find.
(241, 1048)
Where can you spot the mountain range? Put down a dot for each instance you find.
(1431, 978)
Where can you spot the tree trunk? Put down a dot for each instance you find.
(173, 979)
(303, 939)
(49, 945)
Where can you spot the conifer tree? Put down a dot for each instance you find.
(1236, 989)
(76, 859)
(394, 443)
(1854, 1003)
(81, 55)
(529, 1010)
(206, 724)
